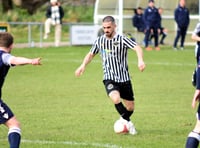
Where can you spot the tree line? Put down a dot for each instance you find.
(33, 5)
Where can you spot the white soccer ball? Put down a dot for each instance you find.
(120, 127)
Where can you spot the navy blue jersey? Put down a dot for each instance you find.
(197, 47)
(197, 55)
(198, 77)
(4, 66)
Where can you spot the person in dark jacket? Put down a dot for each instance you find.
(181, 16)
(54, 15)
(151, 19)
(137, 20)
(162, 32)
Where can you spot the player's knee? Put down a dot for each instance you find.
(115, 97)
(115, 100)
(12, 122)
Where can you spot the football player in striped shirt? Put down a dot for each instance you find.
(113, 49)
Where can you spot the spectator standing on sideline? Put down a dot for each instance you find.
(6, 61)
(181, 16)
(54, 16)
(151, 19)
(194, 136)
(162, 32)
(113, 49)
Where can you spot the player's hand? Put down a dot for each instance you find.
(36, 61)
(79, 71)
(141, 65)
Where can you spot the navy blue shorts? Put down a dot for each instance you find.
(5, 112)
(125, 88)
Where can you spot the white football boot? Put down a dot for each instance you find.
(131, 128)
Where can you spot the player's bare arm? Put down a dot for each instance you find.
(195, 37)
(141, 64)
(195, 98)
(25, 61)
(80, 70)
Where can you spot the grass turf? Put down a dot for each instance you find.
(58, 110)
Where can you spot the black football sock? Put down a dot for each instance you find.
(122, 111)
(162, 39)
(192, 140)
(129, 113)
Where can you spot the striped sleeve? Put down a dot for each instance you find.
(95, 47)
(129, 43)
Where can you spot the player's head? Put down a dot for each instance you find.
(6, 40)
(109, 26)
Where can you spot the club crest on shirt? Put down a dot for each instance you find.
(110, 86)
(116, 43)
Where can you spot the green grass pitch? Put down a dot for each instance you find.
(58, 110)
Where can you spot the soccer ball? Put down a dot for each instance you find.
(120, 127)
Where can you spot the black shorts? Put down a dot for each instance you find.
(5, 112)
(125, 89)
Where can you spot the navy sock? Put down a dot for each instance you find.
(14, 137)
(192, 140)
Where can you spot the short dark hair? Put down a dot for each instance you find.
(108, 19)
(6, 39)
(151, 1)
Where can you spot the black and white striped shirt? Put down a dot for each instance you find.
(114, 56)
(55, 15)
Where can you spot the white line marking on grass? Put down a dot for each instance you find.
(71, 143)
(43, 142)
(172, 64)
